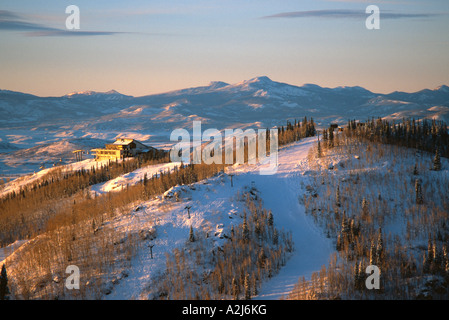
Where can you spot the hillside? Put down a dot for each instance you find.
(215, 209)
(260, 102)
(380, 204)
(333, 213)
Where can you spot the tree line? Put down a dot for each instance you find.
(356, 200)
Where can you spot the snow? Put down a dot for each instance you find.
(150, 119)
(211, 211)
(20, 182)
(36, 126)
(280, 193)
(132, 178)
(214, 210)
(5, 252)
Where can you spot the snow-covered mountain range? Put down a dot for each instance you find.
(86, 119)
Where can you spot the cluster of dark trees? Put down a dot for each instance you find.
(295, 131)
(427, 135)
(4, 289)
(436, 259)
(348, 234)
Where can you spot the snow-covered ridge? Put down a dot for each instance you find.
(133, 178)
(260, 100)
(93, 93)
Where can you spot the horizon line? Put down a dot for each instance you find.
(113, 91)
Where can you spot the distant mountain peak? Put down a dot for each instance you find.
(443, 88)
(311, 86)
(76, 93)
(257, 82)
(217, 84)
(261, 79)
(111, 92)
(357, 89)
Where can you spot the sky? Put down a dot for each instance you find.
(141, 47)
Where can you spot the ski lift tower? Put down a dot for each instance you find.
(78, 155)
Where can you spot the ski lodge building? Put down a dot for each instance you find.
(120, 149)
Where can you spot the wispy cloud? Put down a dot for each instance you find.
(347, 14)
(5, 14)
(11, 21)
(68, 33)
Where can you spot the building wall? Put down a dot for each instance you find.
(108, 154)
(113, 151)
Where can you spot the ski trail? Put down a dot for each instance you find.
(280, 194)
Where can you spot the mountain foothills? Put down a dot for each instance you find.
(36, 130)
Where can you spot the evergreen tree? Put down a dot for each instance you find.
(245, 229)
(418, 192)
(235, 289)
(380, 247)
(324, 135)
(4, 289)
(373, 255)
(331, 137)
(337, 197)
(312, 130)
(270, 219)
(247, 287)
(319, 152)
(275, 237)
(221, 286)
(445, 260)
(415, 170)
(94, 226)
(365, 211)
(261, 258)
(339, 244)
(191, 235)
(356, 276)
(430, 249)
(437, 160)
(361, 276)
(254, 280)
(437, 257)
(426, 263)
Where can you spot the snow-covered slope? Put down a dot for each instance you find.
(214, 210)
(5, 252)
(133, 178)
(45, 155)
